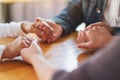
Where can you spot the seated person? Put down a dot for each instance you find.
(104, 65)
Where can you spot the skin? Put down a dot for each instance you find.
(34, 55)
(44, 70)
(57, 32)
(56, 29)
(13, 49)
(39, 28)
(99, 24)
(94, 38)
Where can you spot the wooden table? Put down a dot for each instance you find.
(63, 53)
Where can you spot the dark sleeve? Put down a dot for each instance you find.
(104, 65)
(70, 17)
(115, 30)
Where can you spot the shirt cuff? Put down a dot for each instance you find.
(2, 47)
(17, 27)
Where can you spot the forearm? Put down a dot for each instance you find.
(43, 69)
(26, 27)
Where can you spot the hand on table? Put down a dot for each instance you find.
(56, 30)
(34, 55)
(13, 49)
(31, 51)
(93, 38)
(99, 24)
(40, 29)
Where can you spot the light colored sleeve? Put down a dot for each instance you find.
(12, 29)
(2, 47)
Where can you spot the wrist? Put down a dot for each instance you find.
(26, 26)
(6, 53)
(61, 29)
(43, 68)
(36, 58)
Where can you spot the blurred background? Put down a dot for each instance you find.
(19, 10)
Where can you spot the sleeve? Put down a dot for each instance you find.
(12, 29)
(70, 17)
(103, 65)
(2, 47)
(115, 30)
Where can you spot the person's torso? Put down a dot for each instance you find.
(93, 10)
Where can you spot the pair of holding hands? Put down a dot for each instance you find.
(94, 36)
(24, 45)
(45, 29)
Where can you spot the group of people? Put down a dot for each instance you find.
(102, 32)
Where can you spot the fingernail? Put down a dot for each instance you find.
(42, 33)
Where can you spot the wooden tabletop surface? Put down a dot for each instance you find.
(63, 53)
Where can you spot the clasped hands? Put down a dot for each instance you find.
(93, 37)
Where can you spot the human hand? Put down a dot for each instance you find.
(29, 27)
(57, 30)
(94, 38)
(45, 29)
(42, 67)
(99, 24)
(13, 49)
(31, 52)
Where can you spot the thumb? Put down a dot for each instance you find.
(34, 43)
(38, 19)
(86, 45)
(81, 37)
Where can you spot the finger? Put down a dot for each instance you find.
(49, 40)
(52, 38)
(38, 19)
(41, 35)
(25, 42)
(86, 45)
(34, 43)
(38, 25)
(43, 27)
(81, 36)
(50, 22)
(94, 28)
(29, 38)
(47, 32)
(47, 25)
(91, 26)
